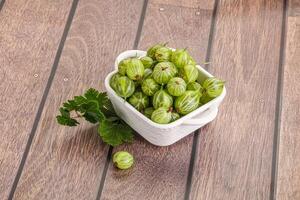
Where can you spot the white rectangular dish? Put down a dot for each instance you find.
(162, 134)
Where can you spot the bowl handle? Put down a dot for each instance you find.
(204, 118)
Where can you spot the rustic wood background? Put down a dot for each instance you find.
(53, 50)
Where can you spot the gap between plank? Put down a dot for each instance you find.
(135, 45)
(44, 97)
(276, 139)
(196, 138)
(194, 152)
(102, 181)
(141, 24)
(1, 4)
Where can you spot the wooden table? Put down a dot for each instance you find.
(53, 50)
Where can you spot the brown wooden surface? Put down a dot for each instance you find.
(289, 144)
(67, 163)
(30, 32)
(234, 159)
(194, 4)
(159, 171)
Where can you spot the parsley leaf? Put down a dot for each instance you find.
(96, 107)
(115, 133)
(92, 112)
(65, 119)
(107, 107)
(88, 106)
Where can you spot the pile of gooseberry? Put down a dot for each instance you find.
(163, 85)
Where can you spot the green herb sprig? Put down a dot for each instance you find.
(95, 107)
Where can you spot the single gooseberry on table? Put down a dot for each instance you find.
(123, 160)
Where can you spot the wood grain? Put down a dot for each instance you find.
(196, 4)
(161, 172)
(234, 158)
(288, 178)
(29, 37)
(67, 163)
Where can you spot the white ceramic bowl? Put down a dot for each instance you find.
(162, 134)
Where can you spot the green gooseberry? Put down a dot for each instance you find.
(150, 87)
(113, 81)
(194, 86)
(151, 51)
(139, 100)
(189, 73)
(163, 72)
(148, 112)
(135, 69)
(205, 98)
(187, 102)
(213, 87)
(147, 73)
(180, 58)
(163, 54)
(161, 115)
(162, 99)
(176, 86)
(147, 62)
(123, 66)
(124, 87)
(174, 116)
(123, 160)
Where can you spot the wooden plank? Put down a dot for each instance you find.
(208, 5)
(234, 158)
(29, 37)
(288, 178)
(67, 163)
(161, 172)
